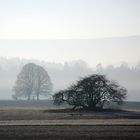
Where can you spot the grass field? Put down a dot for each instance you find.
(63, 114)
(48, 104)
(36, 124)
(28, 122)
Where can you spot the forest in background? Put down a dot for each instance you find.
(63, 75)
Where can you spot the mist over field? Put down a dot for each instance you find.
(71, 39)
(70, 69)
(64, 73)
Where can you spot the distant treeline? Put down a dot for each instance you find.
(63, 75)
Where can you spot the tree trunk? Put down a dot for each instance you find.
(37, 97)
(74, 107)
(28, 97)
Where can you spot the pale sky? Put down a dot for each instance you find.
(95, 31)
(68, 19)
(94, 51)
(48, 20)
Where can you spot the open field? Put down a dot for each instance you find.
(72, 122)
(31, 123)
(70, 132)
(48, 104)
(35, 124)
(55, 114)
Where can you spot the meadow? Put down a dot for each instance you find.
(41, 121)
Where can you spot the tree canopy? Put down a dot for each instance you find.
(33, 80)
(91, 92)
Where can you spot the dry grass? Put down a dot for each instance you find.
(40, 124)
(124, 122)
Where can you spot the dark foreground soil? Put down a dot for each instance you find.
(70, 132)
(40, 124)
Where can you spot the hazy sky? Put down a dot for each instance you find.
(93, 51)
(96, 31)
(71, 19)
(66, 19)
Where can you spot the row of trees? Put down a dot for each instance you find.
(89, 93)
(33, 80)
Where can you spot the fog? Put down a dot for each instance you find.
(68, 19)
(63, 75)
(68, 60)
(93, 51)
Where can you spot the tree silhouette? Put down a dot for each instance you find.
(91, 93)
(42, 82)
(33, 80)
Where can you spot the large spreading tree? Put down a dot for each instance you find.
(91, 93)
(33, 80)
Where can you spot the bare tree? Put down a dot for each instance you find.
(91, 93)
(42, 82)
(33, 80)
